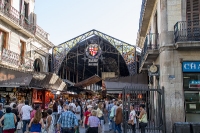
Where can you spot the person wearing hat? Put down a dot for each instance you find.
(86, 116)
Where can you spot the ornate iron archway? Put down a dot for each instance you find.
(127, 51)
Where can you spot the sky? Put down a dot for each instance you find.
(66, 19)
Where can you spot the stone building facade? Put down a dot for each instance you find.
(23, 44)
(169, 35)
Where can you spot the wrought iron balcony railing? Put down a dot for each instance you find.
(187, 31)
(151, 43)
(21, 20)
(11, 58)
(40, 32)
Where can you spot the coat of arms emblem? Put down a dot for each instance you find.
(93, 51)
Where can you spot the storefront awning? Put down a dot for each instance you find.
(14, 78)
(39, 80)
(49, 81)
(115, 85)
(91, 80)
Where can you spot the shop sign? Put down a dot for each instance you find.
(11, 78)
(194, 84)
(190, 66)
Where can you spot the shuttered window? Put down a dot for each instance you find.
(193, 10)
(193, 19)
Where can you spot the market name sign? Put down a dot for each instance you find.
(191, 66)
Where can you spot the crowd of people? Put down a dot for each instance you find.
(64, 116)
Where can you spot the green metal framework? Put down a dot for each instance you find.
(126, 50)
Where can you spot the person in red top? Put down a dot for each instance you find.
(86, 116)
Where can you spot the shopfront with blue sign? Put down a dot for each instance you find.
(191, 86)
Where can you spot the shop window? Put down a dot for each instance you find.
(191, 86)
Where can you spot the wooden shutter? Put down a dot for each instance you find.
(23, 48)
(5, 40)
(193, 10)
(193, 22)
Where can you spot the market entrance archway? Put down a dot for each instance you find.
(91, 54)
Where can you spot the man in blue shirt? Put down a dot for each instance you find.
(67, 121)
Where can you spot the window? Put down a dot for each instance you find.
(26, 10)
(23, 50)
(193, 16)
(193, 10)
(3, 40)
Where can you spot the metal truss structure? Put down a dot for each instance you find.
(66, 50)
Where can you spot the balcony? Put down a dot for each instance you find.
(15, 60)
(145, 16)
(42, 35)
(150, 51)
(17, 20)
(187, 34)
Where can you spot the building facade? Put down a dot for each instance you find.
(24, 55)
(23, 44)
(169, 36)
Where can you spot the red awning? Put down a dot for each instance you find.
(91, 80)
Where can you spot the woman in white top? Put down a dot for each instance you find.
(50, 121)
(132, 118)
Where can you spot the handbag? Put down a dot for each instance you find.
(130, 122)
(19, 125)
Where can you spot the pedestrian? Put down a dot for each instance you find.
(36, 107)
(109, 111)
(112, 115)
(99, 111)
(15, 111)
(36, 124)
(55, 112)
(50, 122)
(142, 118)
(132, 118)
(25, 112)
(20, 105)
(14, 101)
(118, 118)
(65, 107)
(86, 116)
(67, 121)
(78, 113)
(9, 121)
(93, 122)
